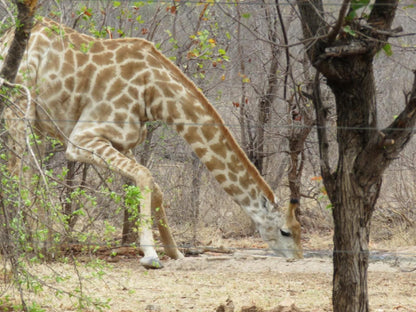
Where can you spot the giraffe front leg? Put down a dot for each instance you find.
(150, 259)
(99, 151)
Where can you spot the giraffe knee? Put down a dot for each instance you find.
(157, 195)
(144, 179)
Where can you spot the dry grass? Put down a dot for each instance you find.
(400, 236)
(203, 283)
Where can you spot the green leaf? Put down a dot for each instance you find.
(116, 4)
(222, 52)
(387, 49)
(349, 31)
(358, 4)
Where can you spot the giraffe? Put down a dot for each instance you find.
(96, 95)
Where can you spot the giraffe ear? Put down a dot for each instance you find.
(275, 208)
(269, 206)
(266, 203)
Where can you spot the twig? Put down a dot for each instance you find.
(9, 13)
(334, 32)
(321, 116)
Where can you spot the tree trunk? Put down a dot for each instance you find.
(353, 188)
(351, 249)
(350, 259)
(357, 187)
(26, 10)
(353, 202)
(364, 151)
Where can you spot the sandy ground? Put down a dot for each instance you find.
(205, 282)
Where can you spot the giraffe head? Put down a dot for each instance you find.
(283, 239)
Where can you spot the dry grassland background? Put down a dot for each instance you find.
(248, 276)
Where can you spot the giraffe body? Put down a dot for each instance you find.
(100, 94)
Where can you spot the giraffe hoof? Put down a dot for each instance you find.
(151, 263)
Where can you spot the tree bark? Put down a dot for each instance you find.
(26, 10)
(353, 203)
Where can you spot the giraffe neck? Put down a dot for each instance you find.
(187, 110)
(218, 151)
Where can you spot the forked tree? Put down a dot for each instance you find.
(343, 52)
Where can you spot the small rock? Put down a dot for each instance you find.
(227, 307)
(152, 307)
(251, 309)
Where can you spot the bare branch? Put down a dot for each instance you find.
(21, 37)
(313, 22)
(354, 48)
(388, 33)
(389, 142)
(401, 129)
(321, 117)
(342, 12)
(382, 14)
(9, 13)
(286, 41)
(313, 26)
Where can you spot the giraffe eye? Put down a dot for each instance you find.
(285, 233)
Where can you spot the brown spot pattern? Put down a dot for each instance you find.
(104, 58)
(120, 119)
(116, 88)
(215, 163)
(122, 102)
(220, 149)
(233, 190)
(232, 177)
(208, 132)
(201, 151)
(192, 136)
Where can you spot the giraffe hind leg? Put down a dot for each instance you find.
(166, 236)
(158, 211)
